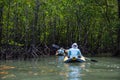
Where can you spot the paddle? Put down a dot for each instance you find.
(55, 46)
(91, 59)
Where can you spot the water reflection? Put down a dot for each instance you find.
(59, 59)
(74, 71)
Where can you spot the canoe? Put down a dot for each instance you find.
(70, 60)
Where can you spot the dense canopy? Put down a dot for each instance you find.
(32, 26)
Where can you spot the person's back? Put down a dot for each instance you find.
(60, 51)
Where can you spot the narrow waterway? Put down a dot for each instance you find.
(53, 68)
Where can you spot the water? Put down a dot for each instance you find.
(53, 68)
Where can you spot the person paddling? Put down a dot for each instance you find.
(60, 51)
(74, 52)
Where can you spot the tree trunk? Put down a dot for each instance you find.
(119, 9)
(118, 35)
(1, 16)
(118, 52)
(35, 24)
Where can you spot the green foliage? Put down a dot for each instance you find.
(88, 22)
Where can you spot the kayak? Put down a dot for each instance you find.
(70, 60)
(59, 54)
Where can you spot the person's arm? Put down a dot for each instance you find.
(80, 54)
(56, 52)
(69, 53)
(65, 52)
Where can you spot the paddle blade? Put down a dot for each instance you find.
(94, 60)
(91, 60)
(55, 46)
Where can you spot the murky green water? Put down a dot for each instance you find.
(53, 68)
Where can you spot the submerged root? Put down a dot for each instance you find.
(15, 52)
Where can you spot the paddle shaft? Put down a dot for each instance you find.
(91, 59)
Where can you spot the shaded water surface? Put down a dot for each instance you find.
(53, 68)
